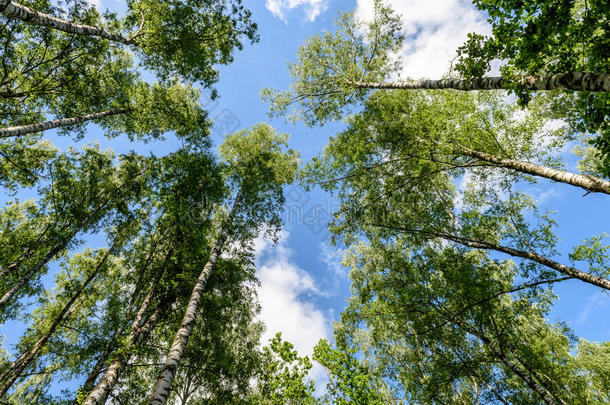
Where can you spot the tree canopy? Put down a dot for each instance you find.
(134, 276)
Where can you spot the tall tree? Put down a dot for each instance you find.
(336, 70)
(454, 326)
(396, 164)
(257, 168)
(175, 38)
(544, 38)
(184, 180)
(105, 188)
(13, 372)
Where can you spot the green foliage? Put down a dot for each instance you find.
(541, 37)
(88, 192)
(435, 320)
(24, 162)
(282, 378)
(595, 253)
(351, 382)
(258, 164)
(444, 325)
(329, 63)
(189, 38)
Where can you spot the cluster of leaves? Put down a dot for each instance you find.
(110, 315)
(539, 37)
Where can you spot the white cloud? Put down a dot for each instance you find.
(597, 303)
(434, 28)
(286, 294)
(313, 8)
(333, 256)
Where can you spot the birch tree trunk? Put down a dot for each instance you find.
(585, 181)
(527, 377)
(15, 10)
(477, 244)
(165, 379)
(139, 328)
(44, 260)
(577, 81)
(89, 383)
(12, 373)
(567, 270)
(63, 122)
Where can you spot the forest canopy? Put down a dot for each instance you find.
(135, 276)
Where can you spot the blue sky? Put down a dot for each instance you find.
(434, 34)
(303, 286)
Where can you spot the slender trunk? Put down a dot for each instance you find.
(497, 352)
(63, 122)
(540, 390)
(567, 270)
(590, 183)
(99, 365)
(139, 327)
(108, 350)
(54, 251)
(15, 10)
(24, 255)
(478, 244)
(13, 372)
(543, 379)
(165, 379)
(578, 81)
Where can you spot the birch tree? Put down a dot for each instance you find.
(76, 87)
(395, 174)
(13, 372)
(257, 168)
(174, 38)
(335, 71)
(454, 326)
(47, 232)
(540, 38)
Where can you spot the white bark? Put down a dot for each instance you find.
(63, 122)
(567, 270)
(26, 14)
(138, 329)
(165, 379)
(577, 81)
(588, 182)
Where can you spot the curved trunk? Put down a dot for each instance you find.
(590, 183)
(12, 373)
(15, 10)
(165, 379)
(577, 81)
(44, 260)
(478, 244)
(63, 122)
(567, 270)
